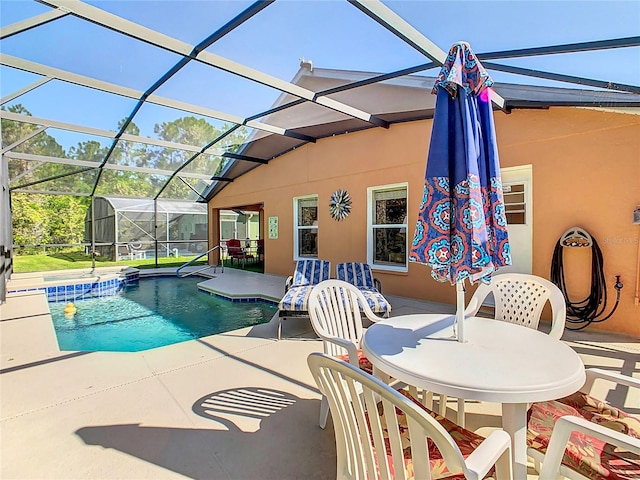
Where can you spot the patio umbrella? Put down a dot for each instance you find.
(461, 232)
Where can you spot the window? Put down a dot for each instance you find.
(387, 227)
(515, 203)
(227, 226)
(305, 227)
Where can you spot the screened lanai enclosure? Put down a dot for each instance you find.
(130, 228)
(174, 100)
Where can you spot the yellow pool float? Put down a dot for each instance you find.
(70, 309)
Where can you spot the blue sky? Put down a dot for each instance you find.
(332, 33)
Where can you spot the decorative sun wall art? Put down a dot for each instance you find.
(340, 205)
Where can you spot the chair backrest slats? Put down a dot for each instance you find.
(335, 311)
(359, 410)
(395, 441)
(419, 450)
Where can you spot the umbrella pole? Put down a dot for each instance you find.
(460, 309)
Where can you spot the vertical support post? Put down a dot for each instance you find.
(514, 422)
(155, 228)
(6, 229)
(460, 309)
(93, 235)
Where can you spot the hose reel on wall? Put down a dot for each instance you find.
(590, 310)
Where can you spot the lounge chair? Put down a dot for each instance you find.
(294, 303)
(361, 276)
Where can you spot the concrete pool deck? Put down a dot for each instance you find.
(238, 405)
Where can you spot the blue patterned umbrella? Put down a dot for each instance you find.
(461, 232)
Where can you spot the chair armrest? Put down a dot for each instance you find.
(488, 454)
(562, 432)
(477, 299)
(594, 374)
(349, 346)
(368, 312)
(558, 312)
(473, 307)
(377, 284)
(288, 283)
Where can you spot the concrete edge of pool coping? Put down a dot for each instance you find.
(235, 286)
(241, 296)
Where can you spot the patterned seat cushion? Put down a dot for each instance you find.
(600, 412)
(466, 440)
(363, 362)
(376, 301)
(296, 299)
(593, 458)
(358, 274)
(311, 272)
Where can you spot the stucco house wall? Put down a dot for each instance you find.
(586, 172)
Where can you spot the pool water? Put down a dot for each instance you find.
(156, 312)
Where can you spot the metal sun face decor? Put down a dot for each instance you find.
(340, 205)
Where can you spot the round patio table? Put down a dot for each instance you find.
(499, 362)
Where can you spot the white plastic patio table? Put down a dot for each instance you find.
(498, 362)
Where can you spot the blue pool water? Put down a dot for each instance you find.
(156, 312)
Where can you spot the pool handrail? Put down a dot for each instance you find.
(195, 259)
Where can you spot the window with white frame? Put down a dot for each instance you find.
(515, 203)
(387, 227)
(305, 227)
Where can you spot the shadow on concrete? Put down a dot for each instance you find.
(256, 433)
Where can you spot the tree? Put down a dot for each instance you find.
(68, 225)
(59, 219)
(41, 144)
(193, 131)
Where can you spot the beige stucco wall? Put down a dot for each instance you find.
(586, 172)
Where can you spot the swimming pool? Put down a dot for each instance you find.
(155, 312)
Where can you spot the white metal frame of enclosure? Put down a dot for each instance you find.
(374, 9)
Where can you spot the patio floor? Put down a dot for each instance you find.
(239, 405)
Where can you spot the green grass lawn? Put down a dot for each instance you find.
(71, 260)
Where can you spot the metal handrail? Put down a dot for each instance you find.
(195, 259)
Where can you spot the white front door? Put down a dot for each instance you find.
(518, 199)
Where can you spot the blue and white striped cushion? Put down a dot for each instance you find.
(376, 301)
(311, 272)
(296, 299)
(358, 274)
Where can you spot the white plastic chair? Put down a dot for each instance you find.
(565, 457)
(336, 308)
(376, 427)
(520, 298)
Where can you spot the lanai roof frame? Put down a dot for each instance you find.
(377, 11)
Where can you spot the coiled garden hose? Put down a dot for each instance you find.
(583, 313)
